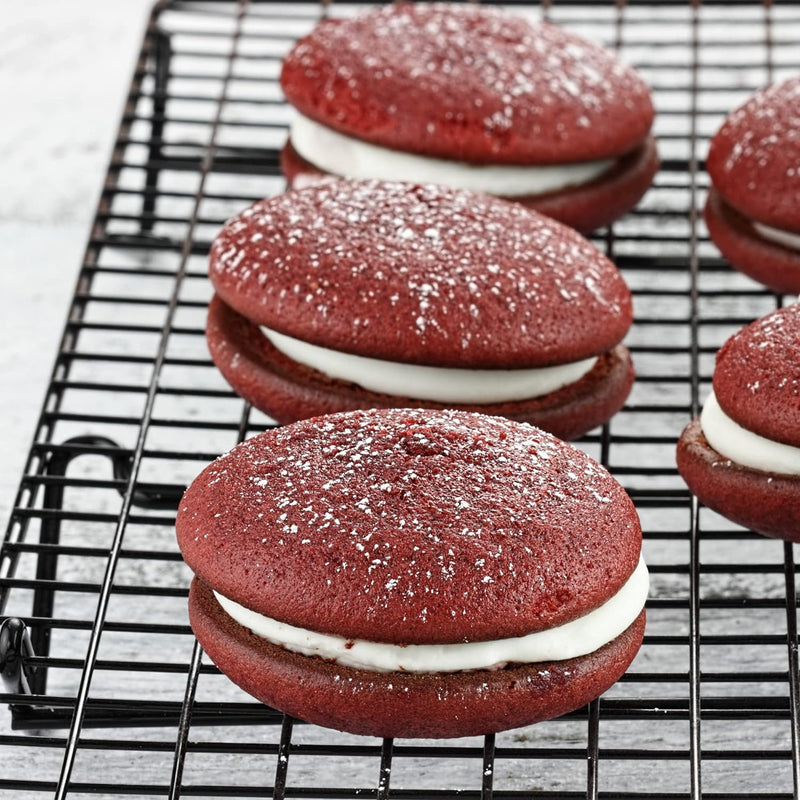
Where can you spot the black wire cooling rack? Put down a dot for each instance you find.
(109, 696)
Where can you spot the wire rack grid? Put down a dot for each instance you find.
(108, 693)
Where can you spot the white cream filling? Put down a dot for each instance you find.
(777, 235)
(577, 638)
(440, 384)
(744, 447)
(342, 155)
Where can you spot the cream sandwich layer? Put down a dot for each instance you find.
(744, 447)
(440, 384)
(791, 241)
(342, 155)
(571, 640)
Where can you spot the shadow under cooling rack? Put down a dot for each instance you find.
(108, 694)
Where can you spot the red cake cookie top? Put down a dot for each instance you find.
(410, 526)
(420, 274)
(757, 376)
(754, 160)
(467, 82)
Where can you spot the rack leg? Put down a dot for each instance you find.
(50, 534)
(15, 652)
(163, 59)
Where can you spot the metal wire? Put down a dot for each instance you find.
(135, 409)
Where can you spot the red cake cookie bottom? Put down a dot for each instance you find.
(761, 501)
(402, 704)
(767, 262)
(289, 391)
(585, 208)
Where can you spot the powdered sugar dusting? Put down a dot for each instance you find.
(754, 159)
(457, 271)
(771, 121)
(421, 524)
(433, 77)
(757, 376)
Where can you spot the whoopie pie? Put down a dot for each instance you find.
(753, 207)
(368, 294)
(414, 573)
(472, 97)
(742, 456)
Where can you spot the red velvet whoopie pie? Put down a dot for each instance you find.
(473, 97)
(742, 456)
(753, 207)
(354, 294)
(413, 573)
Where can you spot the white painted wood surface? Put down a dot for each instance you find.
(64, 72)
